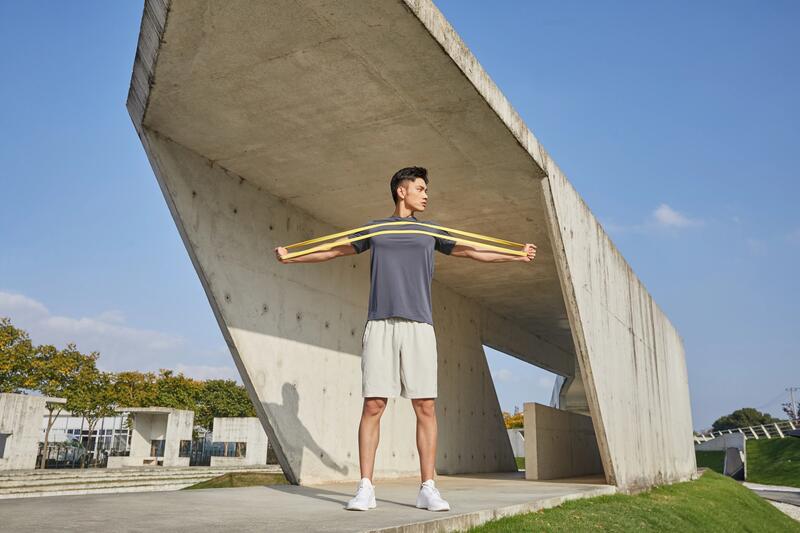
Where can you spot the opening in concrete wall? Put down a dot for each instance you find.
(517, 382)
(551, 434)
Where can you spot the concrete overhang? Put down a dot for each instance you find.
(268, 122)
(319, 106)
(151, 410)
(54, 399)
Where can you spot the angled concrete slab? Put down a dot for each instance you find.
(271, 123)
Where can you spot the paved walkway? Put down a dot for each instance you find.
(776, 493)
(473, 499)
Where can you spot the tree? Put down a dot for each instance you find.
(177, 391)
(135, 389)
(54, 373)
(793, 412)
(92, 397)
(16, 357)
(744, 417)
(222, 397)
(514, 421)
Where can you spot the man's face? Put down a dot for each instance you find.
(415, 194)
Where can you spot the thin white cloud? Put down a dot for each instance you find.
(503, 375)
(546, 382)
(121, 346)
(667, 217)
(660, 219)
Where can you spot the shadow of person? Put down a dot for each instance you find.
(295, 440)
(295, 436)
(328, 495)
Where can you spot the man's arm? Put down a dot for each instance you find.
(316, 257)
(490, 256)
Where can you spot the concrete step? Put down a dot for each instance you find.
(68, 473)
(54, 483)
(96, 490)
(42, 481)
(98, 484)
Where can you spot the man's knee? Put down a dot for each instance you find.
(374, 406)
(424, 407)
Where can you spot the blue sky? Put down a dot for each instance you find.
(677, 122)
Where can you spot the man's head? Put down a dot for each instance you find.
(410, 185)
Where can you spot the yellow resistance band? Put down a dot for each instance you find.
(328, 246)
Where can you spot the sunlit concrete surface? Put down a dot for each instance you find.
(292, 508)
(268, 123)
(247, 430)
(21, 429)
(151, 426)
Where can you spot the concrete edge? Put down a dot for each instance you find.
(576, 328)
(476, 518)
(451, 43)
(269, 425)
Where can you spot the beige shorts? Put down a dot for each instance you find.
(398, 357)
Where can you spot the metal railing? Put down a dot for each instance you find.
(775, 430)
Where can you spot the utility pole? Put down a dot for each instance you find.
(793, 405)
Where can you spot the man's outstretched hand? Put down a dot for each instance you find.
(530, 249)
(280, 251)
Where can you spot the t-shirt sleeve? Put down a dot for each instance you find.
(362, 245)
(444, 246)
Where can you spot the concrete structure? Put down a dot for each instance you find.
(110, 433)
(246, 430)
(270, 123)
(160, 436)
(78, 481)
(723, 442)
(559, 444)
(20, 423)
(735, 447)
(517, 438)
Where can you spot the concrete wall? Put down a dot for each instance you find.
(172, 427)
(20, 419)
(723, 442)
(559, 444)
(282, 320)
(630, 355)
(517, 438)
(243, 429)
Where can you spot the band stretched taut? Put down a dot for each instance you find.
(329, 245)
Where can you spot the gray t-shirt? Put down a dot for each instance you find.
(401, 269)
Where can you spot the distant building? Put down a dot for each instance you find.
(20, 416)
(110, 436)
(160, 436)
(239, 441)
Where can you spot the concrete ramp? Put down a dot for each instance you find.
(268, 123)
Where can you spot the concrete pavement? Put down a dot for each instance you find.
(474, 499)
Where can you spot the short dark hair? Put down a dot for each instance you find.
(408, 173)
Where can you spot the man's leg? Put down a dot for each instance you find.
(427, 432)
(369, 432)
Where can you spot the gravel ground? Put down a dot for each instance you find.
(791, 510)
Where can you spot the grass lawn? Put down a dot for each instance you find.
(709, 504)
(240, 479)
(715, 460)
(774, 461)
(520, 462)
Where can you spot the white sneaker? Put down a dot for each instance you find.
(430, 499)
(364, 498)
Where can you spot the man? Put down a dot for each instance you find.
(399, 344)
